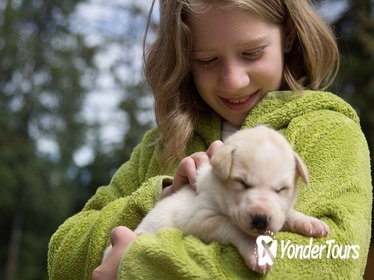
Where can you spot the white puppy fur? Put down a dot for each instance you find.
(248, 188)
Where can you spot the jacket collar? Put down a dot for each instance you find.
(276, 110)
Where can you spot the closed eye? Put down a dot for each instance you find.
(252, 55)
(206, 62)
(281, 190)
(244, 184)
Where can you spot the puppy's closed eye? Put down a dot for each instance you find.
(282, 190)
(244, 184)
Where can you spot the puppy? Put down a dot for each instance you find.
(248, 188)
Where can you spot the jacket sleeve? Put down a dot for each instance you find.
(336, 153)
(77, 246)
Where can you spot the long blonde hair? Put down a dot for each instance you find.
(312, 61)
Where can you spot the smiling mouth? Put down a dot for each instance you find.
(239, 101)
(243, 103)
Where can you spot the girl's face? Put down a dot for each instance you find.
(237, 58)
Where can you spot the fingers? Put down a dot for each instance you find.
(166, 192)
(120, 238)
(214, 147)
(185, 173)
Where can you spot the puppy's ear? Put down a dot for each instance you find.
(301, 169)
(221, 161)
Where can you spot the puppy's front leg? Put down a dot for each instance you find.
(219, 228)
(246, 246)
(309, 226)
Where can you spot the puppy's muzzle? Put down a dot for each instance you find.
(260, 222)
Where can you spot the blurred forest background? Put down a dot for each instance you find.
(73, 105)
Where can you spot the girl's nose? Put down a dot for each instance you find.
(234, 76)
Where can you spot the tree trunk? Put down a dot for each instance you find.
(14, 246)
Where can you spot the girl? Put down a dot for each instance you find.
(216, 67)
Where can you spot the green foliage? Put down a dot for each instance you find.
(135, 102)
(355, 82)
(41, 94)
(46, 71)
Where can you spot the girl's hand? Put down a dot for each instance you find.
(120, 238)
(186, 170)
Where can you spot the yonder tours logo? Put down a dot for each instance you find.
(267, 246)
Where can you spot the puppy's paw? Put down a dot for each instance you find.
(313, 227)
(316, 228)
(251, 260)
(306, 225)
(253, 255)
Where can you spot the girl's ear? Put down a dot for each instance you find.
(221, 161)
(289, 36)
(287, 46)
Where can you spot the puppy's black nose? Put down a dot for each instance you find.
(260, 222)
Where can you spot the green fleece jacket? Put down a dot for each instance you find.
(326, 133)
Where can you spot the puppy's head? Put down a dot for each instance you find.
(258, 170)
